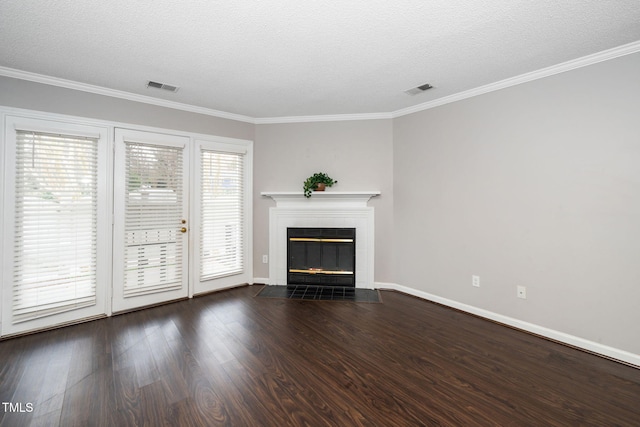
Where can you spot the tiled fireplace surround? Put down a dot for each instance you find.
(322, 209)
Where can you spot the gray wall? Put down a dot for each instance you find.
(535, 185)
(359, 154)
(35, 96)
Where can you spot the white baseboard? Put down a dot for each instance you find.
(610, 352)
(260, 281)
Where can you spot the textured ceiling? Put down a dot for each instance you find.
(287, 58)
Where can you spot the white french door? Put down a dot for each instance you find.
(97, 219)
(151, 227)
(56, 223)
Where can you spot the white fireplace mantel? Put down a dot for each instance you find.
(322, 209)
(321, 198)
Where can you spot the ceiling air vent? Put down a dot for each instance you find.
(162, 86)
(419, 89)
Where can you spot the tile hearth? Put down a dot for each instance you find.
(320, 293)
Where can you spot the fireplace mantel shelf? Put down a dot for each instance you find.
(342, 194)
(288, 198)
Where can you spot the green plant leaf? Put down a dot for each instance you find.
(312, 182)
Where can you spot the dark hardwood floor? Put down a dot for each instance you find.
(231, 359)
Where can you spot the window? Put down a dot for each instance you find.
(54, 223)
(222, 199)
(56, 207)
(96, 219)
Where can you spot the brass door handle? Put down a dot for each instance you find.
(183, 229)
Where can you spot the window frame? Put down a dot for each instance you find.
(12, 123)
(233, 146)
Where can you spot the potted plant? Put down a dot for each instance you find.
(317, 182)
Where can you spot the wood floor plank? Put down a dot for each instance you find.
(11, 373)
(128, 400)
(50, 396)
(334, 370)
(167, 357)
(89, 391)
(366, 383)
(28, 386)
(230, 358)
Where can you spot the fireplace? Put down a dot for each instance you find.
(321, 256)
(328, 209)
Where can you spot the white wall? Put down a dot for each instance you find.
(359, 154)
(535, 185)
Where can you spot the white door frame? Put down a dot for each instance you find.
(121, 302)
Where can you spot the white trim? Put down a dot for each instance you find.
(323, 118)
(65, 118)
(99, 90)
(525, 78)
(120, 300)
(605, 55)
(108, 232)
(260, 280)
(55, 128)
(10, 123)
(604, 350)
(323, 199)
(232, 146)
(3, 145)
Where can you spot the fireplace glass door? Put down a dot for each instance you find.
(321, 256)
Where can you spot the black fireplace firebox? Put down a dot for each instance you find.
(321, 256)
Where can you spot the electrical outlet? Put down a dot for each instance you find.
(265, 259)
(522, 292)
(475, 281)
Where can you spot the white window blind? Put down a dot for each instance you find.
(55, 243)
(153, 215)
(222, 214)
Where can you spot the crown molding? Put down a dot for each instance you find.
(324, 118)
(584, 61)
(595, 58)
(99, 90)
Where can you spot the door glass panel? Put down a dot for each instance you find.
(153, 213)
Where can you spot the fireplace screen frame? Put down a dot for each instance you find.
(334, 249)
